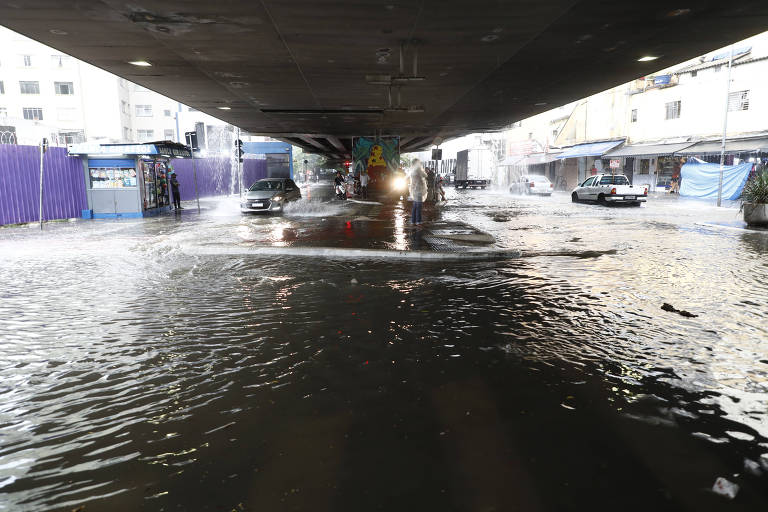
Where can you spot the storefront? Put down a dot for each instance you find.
(578, 161)
(654, 165)
(752, 149)
(127, 180)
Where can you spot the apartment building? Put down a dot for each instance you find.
(653, 123)
(44, 93)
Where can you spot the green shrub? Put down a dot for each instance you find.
(756, 189)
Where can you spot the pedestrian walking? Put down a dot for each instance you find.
(175, 191)
(418, 189)
(364, 185)
(440, 188)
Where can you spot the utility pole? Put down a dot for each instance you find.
(725, 128)
(240, 161)
(43, 149)
(193, 146)
(194, 173)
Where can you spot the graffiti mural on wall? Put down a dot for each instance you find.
(377, 156)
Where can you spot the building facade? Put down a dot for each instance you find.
(651, 125)
(46, 94)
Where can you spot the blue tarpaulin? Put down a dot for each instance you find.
(700, 179)
(590, 149)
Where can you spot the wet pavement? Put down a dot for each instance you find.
(163, 365)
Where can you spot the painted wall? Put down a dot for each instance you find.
(63, 185)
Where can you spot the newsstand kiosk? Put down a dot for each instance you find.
(127, 180)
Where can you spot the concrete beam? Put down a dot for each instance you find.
(336, 143)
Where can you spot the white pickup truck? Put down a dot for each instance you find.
(609, 188)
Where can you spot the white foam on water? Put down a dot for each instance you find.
(346, 253)
(305, 208)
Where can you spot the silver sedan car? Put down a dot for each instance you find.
(270, 195)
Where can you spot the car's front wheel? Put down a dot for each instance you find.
(574, 197)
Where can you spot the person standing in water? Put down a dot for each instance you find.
(418, 189)
(175, 191)
(364, 185)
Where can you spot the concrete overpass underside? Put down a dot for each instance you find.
(316, 73)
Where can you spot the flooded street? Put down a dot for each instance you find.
(139, 372)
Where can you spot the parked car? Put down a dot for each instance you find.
(609, 189)
(532, 184)
(269, 195)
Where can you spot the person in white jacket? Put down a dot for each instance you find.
(418, 189)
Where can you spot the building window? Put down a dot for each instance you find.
(33, 114)
(634, 115)
(3, 111)
(190, 109)
(738, 100)
(2, 87)
(123, 106)
(168, 134)
(694, 73)
(143, 110)
(60, 61)
(26, 60)
(71, 137)
(673, 109)
(126, 133)
(66, 114)
(30, 87)
(145, 135)
(65, 88)
(167, 113)
(717, 69)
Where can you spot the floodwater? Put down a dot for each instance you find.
(137, 374)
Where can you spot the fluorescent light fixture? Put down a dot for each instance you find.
(224, 108)
(647, 58)
(140, 63)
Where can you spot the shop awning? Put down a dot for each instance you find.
(590, 149)
(648, 150)
(163, 148)
(539, 158)
(711, 147)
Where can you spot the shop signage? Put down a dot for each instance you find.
(662, 80)
(176, 150)
(615, 163)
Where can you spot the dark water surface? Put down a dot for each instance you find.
(136, 375)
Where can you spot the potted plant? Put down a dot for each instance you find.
(755, 199)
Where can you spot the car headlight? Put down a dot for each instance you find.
(278, 197)
(398, 184)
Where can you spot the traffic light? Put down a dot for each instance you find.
(239, 150)
(347, 164)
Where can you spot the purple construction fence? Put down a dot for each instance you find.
(215, 176)
(63, 184)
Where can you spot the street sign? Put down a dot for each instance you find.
(615, 163)
(437, 154)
